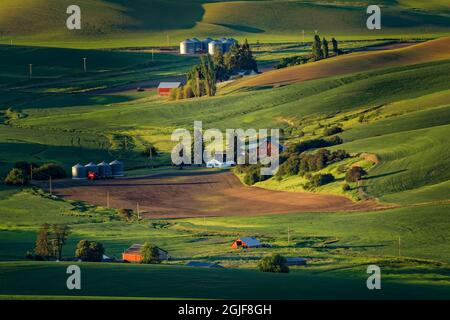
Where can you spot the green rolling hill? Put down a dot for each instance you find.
(119, 23)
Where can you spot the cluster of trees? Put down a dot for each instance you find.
(314, 144)
(150, 254)
(273, 263)
(301, 163)
(332, 131)
(202, 79)
(251, 172)
(318, 180)
(320, 48)
(23, 171)
(50, 241)
(90, 251)
(354, 174)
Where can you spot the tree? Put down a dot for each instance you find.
(222, 73)
(48, 170)
(60, 233)
(16, 177)
(150, 254)
(317, 48)
(44, 248)
(247, 61)
(273, 263)
(355, 174)
(325, 51)
(335, 46)
(321, 179)
(90, 251)
(209, 73)
(126, 214)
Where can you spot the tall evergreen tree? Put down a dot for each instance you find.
(325, 51)
(209, 73)
(335, 46)
(317, 48)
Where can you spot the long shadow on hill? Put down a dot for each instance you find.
(49, 101)
(384, 174)
(241, 28)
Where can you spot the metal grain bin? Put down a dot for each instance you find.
(214, 46)
(187, 47)
(79, 172)
(117, 168)
(104, 170)
(91, 167)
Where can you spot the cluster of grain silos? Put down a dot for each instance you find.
(208, 45)
(103, 170)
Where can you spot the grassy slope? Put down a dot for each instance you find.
(338, 246)
(351, 63)
(62, 118)
(113, 23)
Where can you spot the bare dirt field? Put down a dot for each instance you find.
(197, 193)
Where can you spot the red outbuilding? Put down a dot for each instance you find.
(164, 88)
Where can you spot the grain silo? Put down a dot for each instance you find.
(104, 170)
(214, 46)
(91, 167)
(79, 172)
(227, 44)
(205, 44)
(187, 47)
(197, 45)
(116, 168)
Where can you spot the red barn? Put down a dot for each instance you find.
(164, 88)
(246, 242)
(133, 254)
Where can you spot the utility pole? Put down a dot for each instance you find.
(107, 199)
(151, 158)
(84, 64)
(31, 70)
(289, 235)
(137, 210)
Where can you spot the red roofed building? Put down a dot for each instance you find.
(164, 88)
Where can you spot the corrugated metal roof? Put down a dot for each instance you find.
(169, 85)
(251, 241)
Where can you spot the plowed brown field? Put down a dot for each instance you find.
(201, 193)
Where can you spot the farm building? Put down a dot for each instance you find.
(200, 264)
(164, 88)
(246, 242)
(208, 45)
(116, 168)
(79, 172)
(133, 254)
(219, 161)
